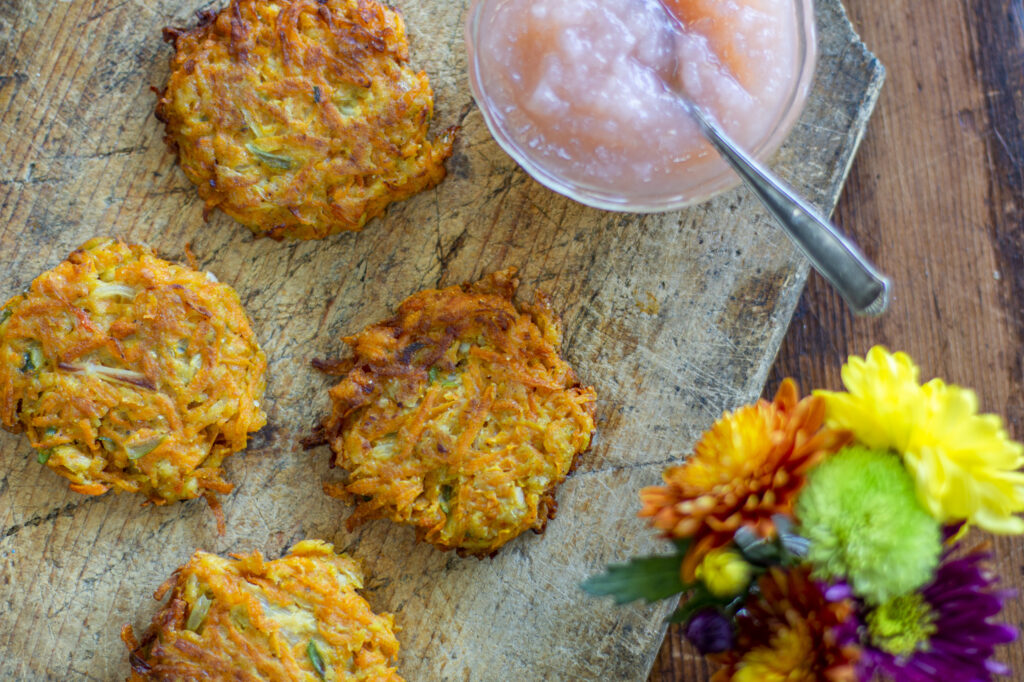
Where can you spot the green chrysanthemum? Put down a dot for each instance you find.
(902, 625)
(860, 513)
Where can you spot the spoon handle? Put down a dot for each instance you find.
(839, 261)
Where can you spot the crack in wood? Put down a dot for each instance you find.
(40, 519)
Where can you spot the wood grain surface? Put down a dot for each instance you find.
(672, 317)
(936, 197)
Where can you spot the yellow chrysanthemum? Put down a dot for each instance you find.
(964, 464)
(784, 659)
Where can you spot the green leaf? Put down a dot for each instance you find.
(316, 659)
(756, 549)
(5, 315)
(142, 449)
(682, 546)
(443, 500)
(272, 160)
(650, 578)
(44, 455)
(449, 381)
(791, 542)
(700, 599)
(32, 359)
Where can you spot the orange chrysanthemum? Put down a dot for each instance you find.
(790, 631)
(748, 467)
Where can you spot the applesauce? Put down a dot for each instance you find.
(579, 92)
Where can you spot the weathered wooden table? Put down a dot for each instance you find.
(672, 317)
(936, 197)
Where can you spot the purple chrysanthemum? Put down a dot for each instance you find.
(955, 638)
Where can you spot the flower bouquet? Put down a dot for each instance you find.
(819, 538)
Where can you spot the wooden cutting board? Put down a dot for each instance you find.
(672, 317)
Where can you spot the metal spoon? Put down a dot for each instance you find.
(838, 260)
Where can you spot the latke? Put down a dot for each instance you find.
(301, 118)
(458, 417)
(128, 372)
(243, 618)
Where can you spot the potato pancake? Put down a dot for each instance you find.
(301, 118)
(128, 372)
(243, 618)
(458, 417)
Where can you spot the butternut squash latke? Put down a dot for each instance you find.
(295, 618)
(458, 417)
(127, 372)
(301, 118)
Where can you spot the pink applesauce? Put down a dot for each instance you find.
(580, 88)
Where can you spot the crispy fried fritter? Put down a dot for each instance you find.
(301, 118)
(127, 372)
(295, 618)
(458, 417)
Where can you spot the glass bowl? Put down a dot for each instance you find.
(689, 191)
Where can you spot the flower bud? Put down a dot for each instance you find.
(724, 572)
(710, 632)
